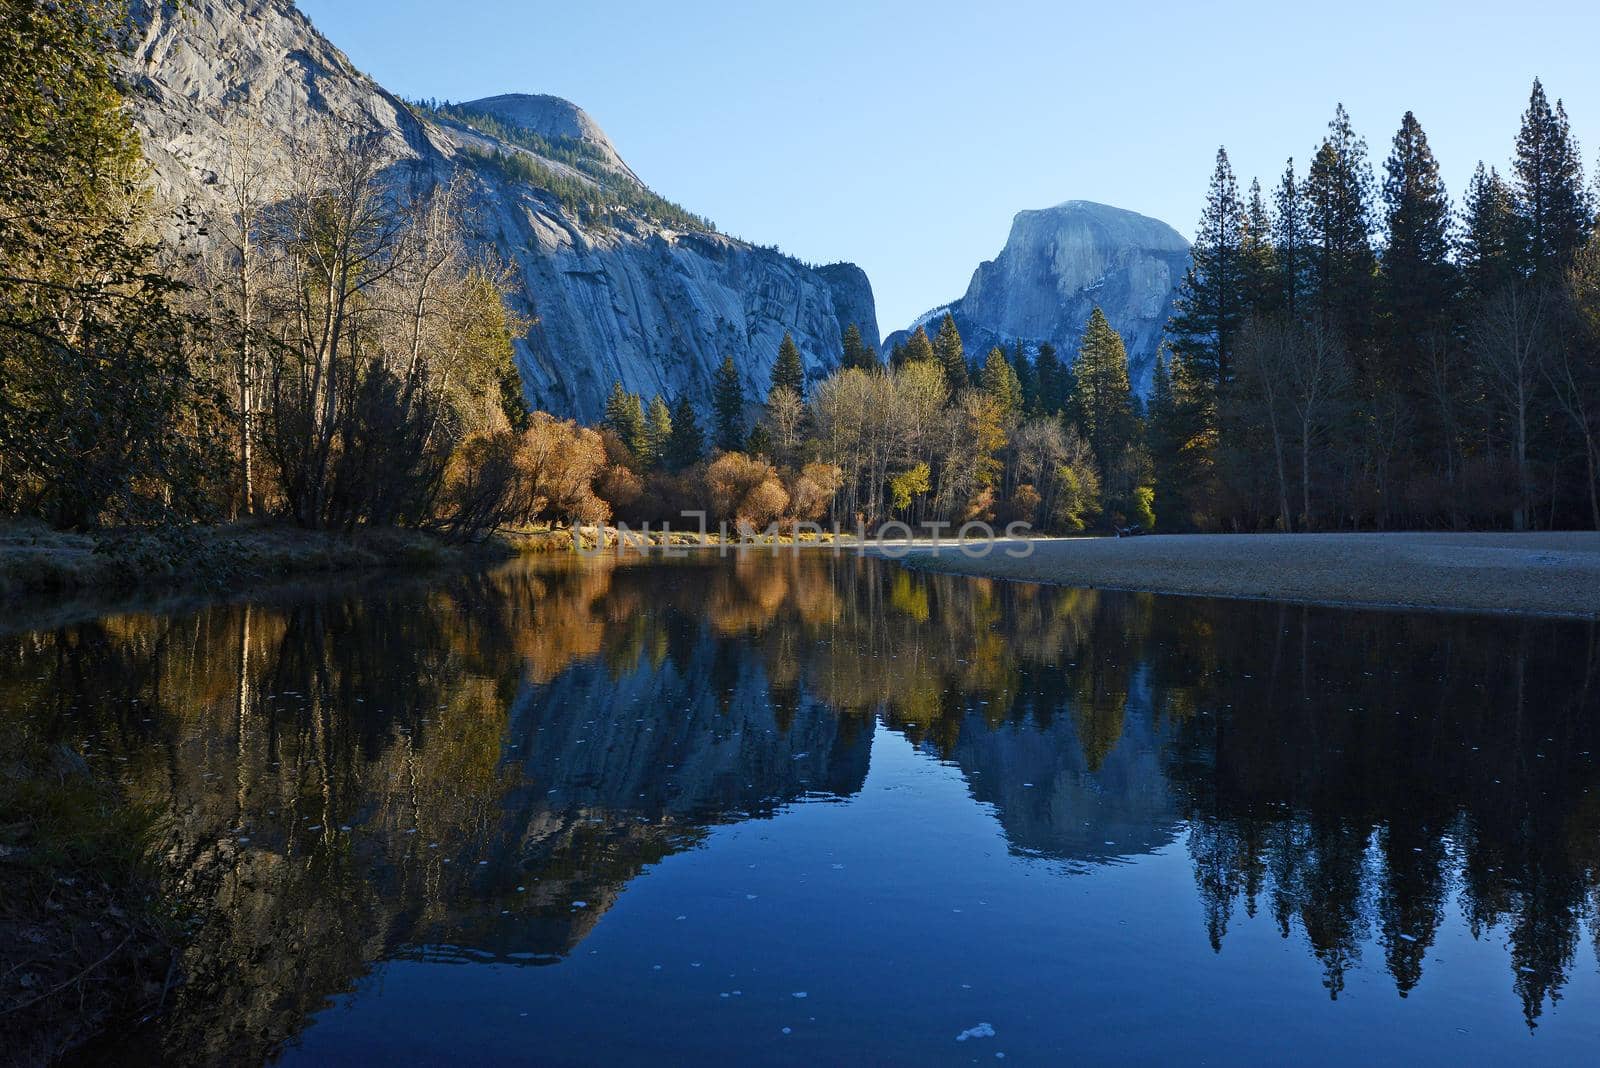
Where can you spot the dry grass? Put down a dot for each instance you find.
(560, 540)
(35, 560)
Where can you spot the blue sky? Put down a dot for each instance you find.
(904, 136)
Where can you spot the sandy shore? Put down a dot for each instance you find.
(1545, 574)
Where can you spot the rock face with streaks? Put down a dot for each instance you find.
(637, 295)
(1057, 265)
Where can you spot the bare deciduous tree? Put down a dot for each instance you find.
(1509, 341)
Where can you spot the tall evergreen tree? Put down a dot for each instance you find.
(1210, 302)
(1257, 274)
(1102, 400)
(856, 353)
(104, 400)
(1053, 380)
(915, 348)
(727, 405)
(1289, 245)
(1491, 246)
(1338, 200)
(1551, 199)
(1181, 438)
(657, 431)
(999, 380)
(1418, 279)
(1165, 443)
(625, 417)
(790, 371)
(1027, 379)
(947, 350)
(788, 377)
(687, 443)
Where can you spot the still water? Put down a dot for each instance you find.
(817, 809)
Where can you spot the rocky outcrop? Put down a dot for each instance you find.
(627, 298)
(1057, 265)
(555, 119)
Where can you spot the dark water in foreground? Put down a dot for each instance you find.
(822, 810)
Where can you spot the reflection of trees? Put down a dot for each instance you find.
(1373, 769)
(1358, 774)
(355, 777)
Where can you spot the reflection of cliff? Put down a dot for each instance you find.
(346, 780)
(1052, 803)
(442, 772)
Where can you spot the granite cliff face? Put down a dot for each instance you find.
(1057, 264)
(638, 295)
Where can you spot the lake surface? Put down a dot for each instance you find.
(820, 809)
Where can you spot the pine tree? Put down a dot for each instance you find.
(1257, 273)
(1026, 378)
(1418, 280)
(1102, 400)
(788, 378)
(1338, 200)
(1491, 248)
(947, 350)
(1166, 446)
(1210, 302)
(657, 431)
(759, 442)
(687, 443)
(856, 353)
(103, 396)
(1550, 195)
(1052, 379)
(1288, 245)
(915, 348)
(790, 371)
(625, 417)
(999, 380)
(1181, 443)
(727, 405)
(512, 401)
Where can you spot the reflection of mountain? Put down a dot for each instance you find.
(442, 772)
(1051, 804)
(617, 771)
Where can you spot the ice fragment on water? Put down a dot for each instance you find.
(983, 1030)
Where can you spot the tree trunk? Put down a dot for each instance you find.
(1590, 448)
(1305, 475)
(246, 393)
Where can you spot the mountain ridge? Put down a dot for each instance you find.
(624, 297)
(1060, 262)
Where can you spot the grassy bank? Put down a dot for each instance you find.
(591, 539)
(37, 561)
